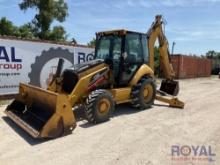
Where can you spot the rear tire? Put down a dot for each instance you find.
(144, 93)
(99, 106)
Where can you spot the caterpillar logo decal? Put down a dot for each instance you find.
(43, 59)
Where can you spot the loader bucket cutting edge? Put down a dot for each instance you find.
(41, 113)
(170, 87)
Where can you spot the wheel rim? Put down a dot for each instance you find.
(148, 92)
(104, 106)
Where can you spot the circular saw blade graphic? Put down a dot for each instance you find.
(46, 56)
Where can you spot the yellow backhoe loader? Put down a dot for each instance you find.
(122, 72)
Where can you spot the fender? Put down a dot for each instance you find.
(142, 71)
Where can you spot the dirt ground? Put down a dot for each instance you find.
(130, 137)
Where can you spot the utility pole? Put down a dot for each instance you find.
(174, 43)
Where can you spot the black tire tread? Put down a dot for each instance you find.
(135, 94)
(90, 103)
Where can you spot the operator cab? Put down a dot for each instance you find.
(125, 51)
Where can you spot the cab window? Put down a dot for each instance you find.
(145, 48)
(108, 47)
(103, 50)
(133, 48)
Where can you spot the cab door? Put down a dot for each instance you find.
(116, 57)
(132, 57)
(109, 48)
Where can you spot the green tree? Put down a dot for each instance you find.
(7, 27)
(218, 55)
(47, 12)
(211, 54)
(92, 42)
(58, 34)
(26, 31)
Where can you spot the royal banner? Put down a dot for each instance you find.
(35, 62)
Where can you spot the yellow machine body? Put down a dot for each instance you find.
(48, 113)
(42, 113)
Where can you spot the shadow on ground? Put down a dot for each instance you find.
(120, 110)
(22, 133)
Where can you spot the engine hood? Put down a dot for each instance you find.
(78, 68)
(70, 76)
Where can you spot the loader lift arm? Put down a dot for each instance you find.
(169, 87)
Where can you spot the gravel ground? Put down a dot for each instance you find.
(130, 137)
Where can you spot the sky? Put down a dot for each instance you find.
(194, 25)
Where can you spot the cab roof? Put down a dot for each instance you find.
(118, 32)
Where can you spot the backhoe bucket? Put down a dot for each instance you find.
(41, 113)
(170, 87)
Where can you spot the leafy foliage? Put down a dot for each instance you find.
(26, 31)
(47, 12)
(92, 42)
(58, 34)
(9, 29)
(211, 54)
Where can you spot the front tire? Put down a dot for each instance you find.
(144, 93)
(99, 106)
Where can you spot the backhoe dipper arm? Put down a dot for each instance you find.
(156, 32)
(168, 86)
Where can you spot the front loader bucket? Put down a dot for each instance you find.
(170, 87)
(41, 113)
